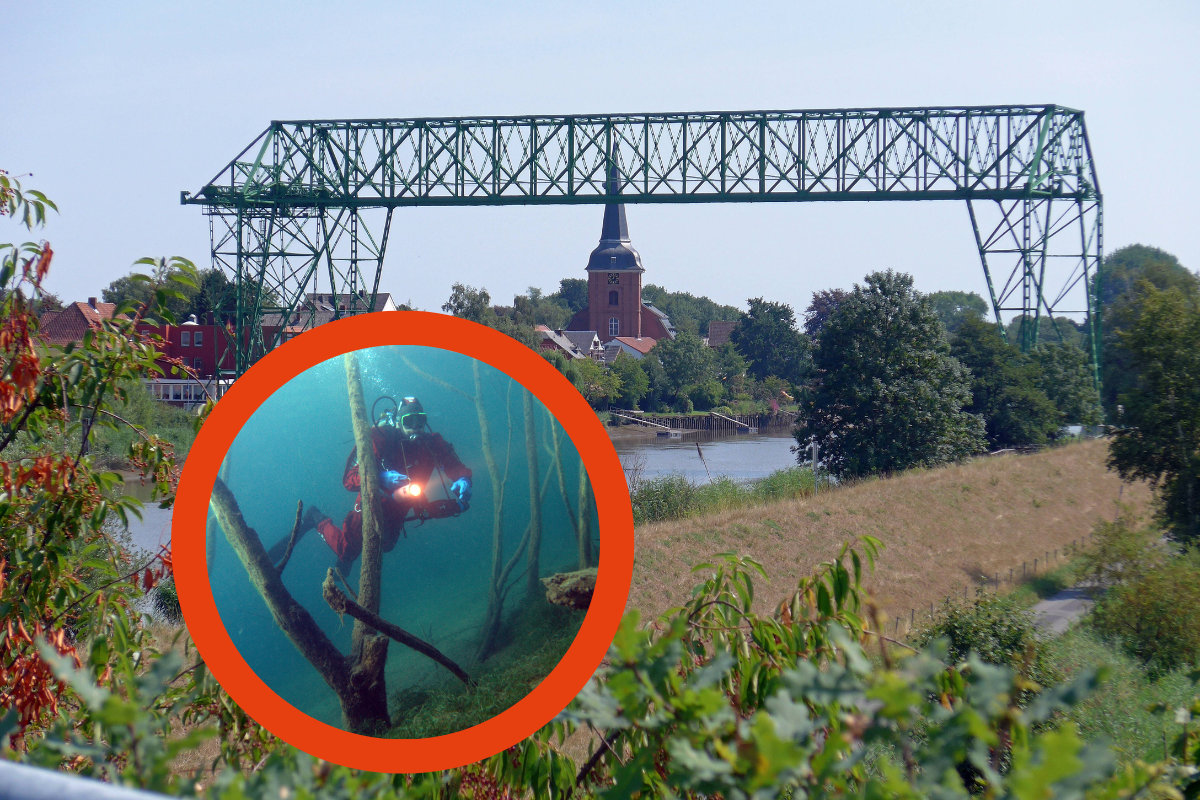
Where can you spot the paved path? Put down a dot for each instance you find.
(1055, 614)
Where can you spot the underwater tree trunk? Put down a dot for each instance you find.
(291, 617)
(368, 653)
(534, 553)
(491, 622)
(583, 522)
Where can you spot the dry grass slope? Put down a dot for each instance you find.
(942, 529)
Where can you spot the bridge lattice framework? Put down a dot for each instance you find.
(312, 200)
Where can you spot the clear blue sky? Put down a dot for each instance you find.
(115, 110)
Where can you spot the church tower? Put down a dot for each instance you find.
(614, 273)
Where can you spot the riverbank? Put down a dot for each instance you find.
(942, 529)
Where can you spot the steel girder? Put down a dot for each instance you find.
(1021, 169)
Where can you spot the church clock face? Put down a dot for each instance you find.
(614, 278)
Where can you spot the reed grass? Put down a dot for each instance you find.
(676, 497)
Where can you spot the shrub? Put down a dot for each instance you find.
(1154, 615)
(997, 629)
(1121, 551)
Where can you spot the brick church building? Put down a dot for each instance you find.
(615, 310)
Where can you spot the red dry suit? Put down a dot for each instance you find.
(416, 457)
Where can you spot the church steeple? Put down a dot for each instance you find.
(615, 253)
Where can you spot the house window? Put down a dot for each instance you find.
(198, 339)
(185, 338)
(198, 364)
(614, 327)
(613, 298)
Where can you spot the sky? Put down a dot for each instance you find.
(115, 109)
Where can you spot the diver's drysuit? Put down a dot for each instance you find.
(416, 456)
(409, 454)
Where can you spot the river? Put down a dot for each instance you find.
(155, 526)
(742, 457)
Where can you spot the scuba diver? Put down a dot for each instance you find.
(409, 453)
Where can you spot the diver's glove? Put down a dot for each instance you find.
(461, 489)
(391, 480)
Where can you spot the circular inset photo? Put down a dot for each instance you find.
(391, 556)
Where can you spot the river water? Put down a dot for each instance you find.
(742, 457)
(154, 529)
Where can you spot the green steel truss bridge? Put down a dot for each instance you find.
(307, 206)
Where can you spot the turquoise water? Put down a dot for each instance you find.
(436, 580)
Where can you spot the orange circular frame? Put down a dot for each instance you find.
(612, 502)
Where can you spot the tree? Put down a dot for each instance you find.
(1128, 273)
(1065, 376)
(535, 308)
(634, 383)
(685, 362)
(767, 337)
(572, 294)
(818, 311)
(887, 393)
(130, 289)
(1157, 437)
(1004, 387)
(658, 393)
(468, 302)
(687, 311)
(597, 384)
(215, 295)
(954, 308)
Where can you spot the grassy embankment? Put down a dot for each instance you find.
(942, 529)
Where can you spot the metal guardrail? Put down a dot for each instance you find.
(23, 782)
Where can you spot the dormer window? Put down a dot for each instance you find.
(614, 298)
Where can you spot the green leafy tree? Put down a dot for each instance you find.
(535, 308)
(1157, 437)
(634, 383)
(1128, 273)
(887, 393)
(658, 392)
(767, 337)
(1065, 376)
(954, 308)
(132, 290)
(468, 302)
(1060, 329)
(572, 294)
(598, 385)
(215, 295)
(1004, 387)
(687, 311)
(685, 361)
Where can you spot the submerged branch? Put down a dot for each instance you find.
(342, 604)
(287, 554)
(291, 617)
(435, 379)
